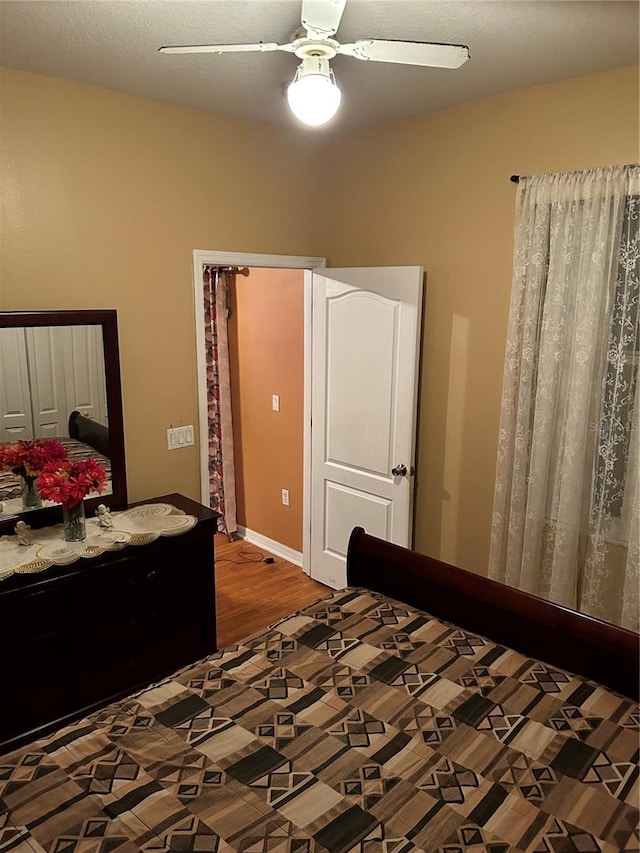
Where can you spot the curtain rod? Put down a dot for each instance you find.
(515, 179)
(238, 270)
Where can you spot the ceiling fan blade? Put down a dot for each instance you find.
(262, 47)
(321, 18)
(408, 52)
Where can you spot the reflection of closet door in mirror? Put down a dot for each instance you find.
(46, 357)
(66, 370)
(85, 379)
(15, 400)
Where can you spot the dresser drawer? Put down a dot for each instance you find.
(36, 657)
(33, 701)
(35, 627)
(38, 613)
(137, 607)
(177, 574)
(103, 677)
(132, 626)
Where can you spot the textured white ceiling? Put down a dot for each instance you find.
(514, 44)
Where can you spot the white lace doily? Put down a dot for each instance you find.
(136, 526)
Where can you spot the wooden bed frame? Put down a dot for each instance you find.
(90, 432)
(537, 628)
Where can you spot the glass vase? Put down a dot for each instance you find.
(73, 523)
(30, 495)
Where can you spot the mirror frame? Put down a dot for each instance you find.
(108, 320)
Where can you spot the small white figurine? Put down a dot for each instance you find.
(23, 532)
(104, 516)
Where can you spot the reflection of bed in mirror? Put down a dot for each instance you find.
(60, 378)
(86, 439)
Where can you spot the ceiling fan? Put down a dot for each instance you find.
(313, 95)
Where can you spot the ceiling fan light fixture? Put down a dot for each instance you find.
(313, 95)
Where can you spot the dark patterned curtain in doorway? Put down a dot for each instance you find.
(222, 485)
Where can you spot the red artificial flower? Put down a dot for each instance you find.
(68, 483)
(29, 458)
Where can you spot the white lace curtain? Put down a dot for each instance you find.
(567, 498)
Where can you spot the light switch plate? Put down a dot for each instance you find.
(179, 437)
(275, 402)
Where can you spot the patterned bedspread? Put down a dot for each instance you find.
(10, 483)
(357, 724)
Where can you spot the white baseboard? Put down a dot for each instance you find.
(274, 547)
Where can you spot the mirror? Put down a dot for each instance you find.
(60, 379)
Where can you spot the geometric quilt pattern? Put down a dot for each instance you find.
(357, 725)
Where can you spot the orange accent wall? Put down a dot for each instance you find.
(266, 351)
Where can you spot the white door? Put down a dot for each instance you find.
(15, 399)
(365, 350)
(46, 373)
(85, 378)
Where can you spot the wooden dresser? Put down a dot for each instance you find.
(75, 638)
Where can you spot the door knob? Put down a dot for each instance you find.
(399, 471)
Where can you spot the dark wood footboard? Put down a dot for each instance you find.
(90, 432)
(537, 628)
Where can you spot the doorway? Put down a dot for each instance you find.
(201, 259)
(362, 332)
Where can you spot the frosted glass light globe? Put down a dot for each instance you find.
(314, 98)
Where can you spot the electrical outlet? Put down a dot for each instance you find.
(285, 497)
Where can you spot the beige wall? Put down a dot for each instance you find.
(266, 353)
(105, 197)
(435, 191)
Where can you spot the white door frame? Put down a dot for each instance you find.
(201, 257)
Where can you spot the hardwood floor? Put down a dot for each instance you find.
(250, 594)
